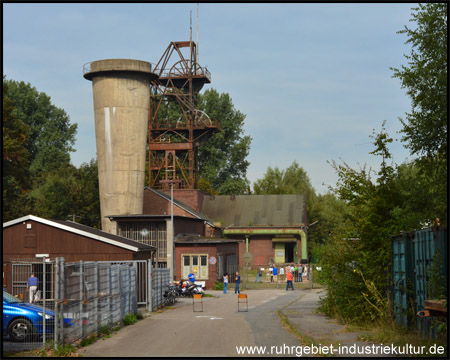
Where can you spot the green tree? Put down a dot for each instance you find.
(69, 192)
(37, 175)
(50, 136)
(326, 215)
(293, 180)
(15, 174)
(358, 252)
(417, 203)
(222, 160)
(86, 194)
(425, 78)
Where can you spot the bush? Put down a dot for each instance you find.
(218, 286)
(129, 319)
(105, 330)
(139, 316)
(89, 340)
(64, 350)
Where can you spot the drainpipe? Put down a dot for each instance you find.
(249, 231)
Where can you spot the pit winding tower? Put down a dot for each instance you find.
(176, 126)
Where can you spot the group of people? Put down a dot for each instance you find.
(237, 278)
(289, 271)
(298, 270)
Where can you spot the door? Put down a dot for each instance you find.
(20, 275)
(195, 266)
(186, 267)
(203, 266)
(279, 253)
(289, 252)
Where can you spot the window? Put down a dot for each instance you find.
(196, 264)
(151, 233)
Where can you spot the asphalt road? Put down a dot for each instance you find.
(215, 332)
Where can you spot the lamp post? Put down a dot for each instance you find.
(310, 267)
(170, 252)
(43, 256)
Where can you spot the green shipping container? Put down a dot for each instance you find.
(430, 270)
(403, 277)
(419, 263)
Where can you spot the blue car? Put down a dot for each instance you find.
(22, 321)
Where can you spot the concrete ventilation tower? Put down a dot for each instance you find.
(121, 89)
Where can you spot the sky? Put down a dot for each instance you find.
(313, 79)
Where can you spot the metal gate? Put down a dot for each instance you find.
(21, 270)
(159, 280)
(143, 278)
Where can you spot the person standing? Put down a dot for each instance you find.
(258, 276)
(275, 273)
(191, 277)
(238, 282)
(268, 274)
(225, 281)
(289, 278)
(32, 285)
(300, 273)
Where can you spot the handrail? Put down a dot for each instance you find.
(200, 71)
(87, 67)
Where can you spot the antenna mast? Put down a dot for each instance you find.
(197, 35)
(190, 37)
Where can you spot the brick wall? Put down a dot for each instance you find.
(188, 226)
(192, 198)
(212, 250)
(157, 205)
(209, 249)
(262, 250)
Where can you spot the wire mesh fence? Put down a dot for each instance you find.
(160, 281)
(75, 300)
(70, 302)
(94, 295)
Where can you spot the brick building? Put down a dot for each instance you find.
(273, 227)
(29, 235)
(207, 258)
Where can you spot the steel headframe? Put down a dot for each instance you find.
(174, 139)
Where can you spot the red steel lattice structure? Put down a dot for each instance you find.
(176, 126)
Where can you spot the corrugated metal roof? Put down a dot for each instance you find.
(256, 210)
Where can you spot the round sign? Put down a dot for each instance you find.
(247, 257)
(212, 260)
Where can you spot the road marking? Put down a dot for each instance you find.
(210, 318)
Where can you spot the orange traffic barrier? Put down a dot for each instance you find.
(242, 300)
(197, 299)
